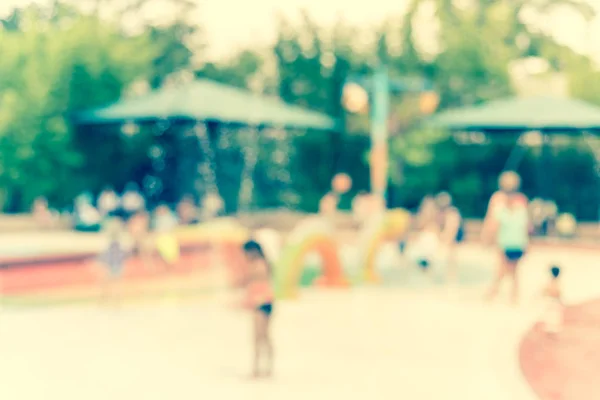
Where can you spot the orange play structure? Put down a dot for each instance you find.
(317, 236)
(290, 265)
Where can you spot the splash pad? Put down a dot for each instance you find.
(37, 272)
(414, 335)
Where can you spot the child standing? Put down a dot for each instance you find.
(553, 317)
(113, 259)
(260, 298)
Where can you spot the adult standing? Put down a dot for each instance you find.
(509, 183)
(508, 210)
(512, 229)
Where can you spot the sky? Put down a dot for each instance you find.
(234, 24)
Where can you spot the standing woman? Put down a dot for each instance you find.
(508, 183)
(512, 228)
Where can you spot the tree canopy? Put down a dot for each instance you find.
(59, 59)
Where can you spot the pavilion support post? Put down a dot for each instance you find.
(546, 167)
(379, 134)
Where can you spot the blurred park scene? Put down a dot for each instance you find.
(44, 86)
(374, 161)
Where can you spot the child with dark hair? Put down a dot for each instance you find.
(260, 297)
(553, 317)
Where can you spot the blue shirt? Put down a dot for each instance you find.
(513, 228)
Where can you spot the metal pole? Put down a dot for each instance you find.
(546, 167)
(379, 133)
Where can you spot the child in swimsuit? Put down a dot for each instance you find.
(260, 299)
(553, 316)
(113, 259)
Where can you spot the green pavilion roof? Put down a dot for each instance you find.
(205, 100)
(536, 113)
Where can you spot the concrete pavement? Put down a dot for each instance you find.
(380, 343)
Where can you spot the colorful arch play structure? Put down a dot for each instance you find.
(311, 235)
(317, 235)
(71, 277)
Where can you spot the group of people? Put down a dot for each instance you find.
(132, 230)
(110, 204)
(89, 213)
(509, 224)
(506, 227)
(259, 293)
(155, 243)
(440, 227)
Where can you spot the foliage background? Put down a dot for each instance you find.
(57, 60)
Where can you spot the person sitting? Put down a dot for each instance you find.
(41, 212)
(86, 216)
(212, 206)
(108, 202)
(132, 201)
(187, 212)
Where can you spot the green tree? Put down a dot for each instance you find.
(177, 40)
(242, 70)
(50, 68)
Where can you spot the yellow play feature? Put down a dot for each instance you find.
(313, 235)
(316, 235)
(215, 232)
(393, 225)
